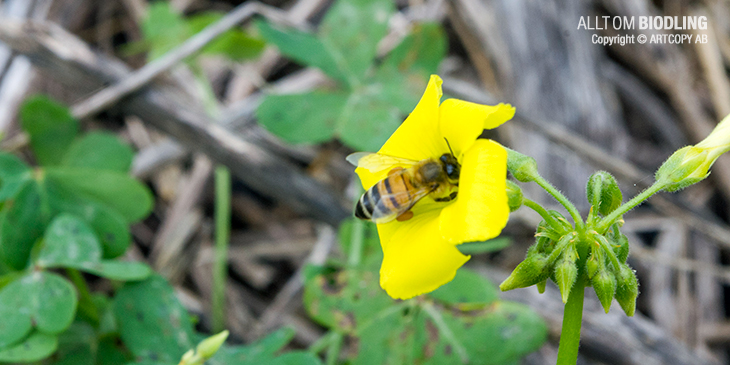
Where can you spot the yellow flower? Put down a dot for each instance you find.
(420, 254)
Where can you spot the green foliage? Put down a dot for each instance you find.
(371, 100)
(163, 29)
(51, 127)
(462, 318)
(157, 329)
(152, 323)
(72, 212)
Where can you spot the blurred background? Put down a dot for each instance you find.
(266, 101)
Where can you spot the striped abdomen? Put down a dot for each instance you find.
(392, 196)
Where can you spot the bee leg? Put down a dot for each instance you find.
(394, 171)
(405, 216)
(449, 198)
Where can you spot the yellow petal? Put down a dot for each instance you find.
(418, 137)
(461, 122)
(480, 211)
(416, 260)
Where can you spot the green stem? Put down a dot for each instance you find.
(572, 317)
(86, 304)
(321, 343)
(616, 214)
(356, 242)
(333, 351)
(543, 213)
(562, 200)
(222, 232)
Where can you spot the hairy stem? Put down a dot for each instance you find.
(579, 225)
(572, 318)
(616, 214)
(542, 211)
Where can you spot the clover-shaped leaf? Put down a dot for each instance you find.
(372, 99)
(71, 242)
(42, 300)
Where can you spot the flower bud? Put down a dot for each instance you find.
(604, 283)
(208, 347)
(187, 357)
(592, 266)
(566, 272)
(514, 196)
(532, 270)
(523, 168)
(627, 289)
(620, 245)
(603, 192)
(685, 167)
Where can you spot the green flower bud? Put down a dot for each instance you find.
(592, 266)
(566, 272)
(532, 270)
(514, 196)
(684, 167)
(620, 246)
(604, 283)
(603, 193)
(208, 347)
(186, 357)
(627, 289)
(523, 168)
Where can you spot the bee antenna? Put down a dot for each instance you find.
(450, 150)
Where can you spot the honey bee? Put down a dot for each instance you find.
(406, 184)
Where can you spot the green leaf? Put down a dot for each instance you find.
(369, 119)
(111, 228)
(116, 190)
(421, 51)
(51, 127)
(351, 30)
(118, 270)
(99, 150)
(69, 242)
(14, 173)
(45, 300)
(163, 29)
(296, 358)
(262, 351)
(344, 300)
(22, 221)
(494, 334)
(304, 48)
(302, 118)
(467, 287)
(475, 248)
(152, 322)
(36, 347)
(233, 44)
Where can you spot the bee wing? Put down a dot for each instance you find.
(411, 196)
(375, 162)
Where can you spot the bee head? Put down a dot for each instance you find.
(451, 166)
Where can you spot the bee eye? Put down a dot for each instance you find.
(449, 169)
(443, 158)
